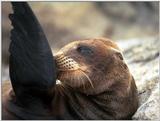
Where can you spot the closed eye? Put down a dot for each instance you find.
(84, 50)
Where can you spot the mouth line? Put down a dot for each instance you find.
(66, 71)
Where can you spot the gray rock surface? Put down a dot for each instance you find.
(142, 56)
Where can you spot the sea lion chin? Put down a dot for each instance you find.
(93, 66)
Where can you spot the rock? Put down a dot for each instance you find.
(5, 73)
(149, 109)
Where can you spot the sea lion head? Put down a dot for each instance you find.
(92, 66)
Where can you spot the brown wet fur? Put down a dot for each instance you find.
(99, 87)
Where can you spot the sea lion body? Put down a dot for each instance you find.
(95, 84)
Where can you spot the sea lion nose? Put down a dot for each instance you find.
(58, 58)
(58, 55)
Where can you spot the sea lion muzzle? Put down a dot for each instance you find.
(68, 66)
(66, 63)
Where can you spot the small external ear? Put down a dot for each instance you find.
(119, 55)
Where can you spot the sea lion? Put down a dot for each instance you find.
(95, 80)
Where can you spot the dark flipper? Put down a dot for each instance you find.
(32, 66)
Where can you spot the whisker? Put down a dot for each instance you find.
(83, 85)
(87, 78)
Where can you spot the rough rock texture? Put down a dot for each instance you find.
(142, 57)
